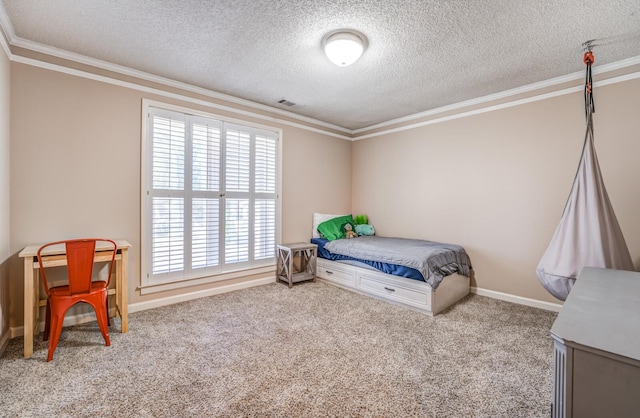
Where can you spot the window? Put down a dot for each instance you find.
(209, 196)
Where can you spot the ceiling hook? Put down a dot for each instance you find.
(588, 46)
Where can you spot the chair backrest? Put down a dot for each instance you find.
(80, 258)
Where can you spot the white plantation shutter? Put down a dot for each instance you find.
(205, 233)
(265, 195)
(167, 206)
(206, 144)
(238, 159)
(264, 228)
(236, 231)
(237, 193)
(206, 156)
(265, 173)
(168, 153)
(211, 203)
(167, 234)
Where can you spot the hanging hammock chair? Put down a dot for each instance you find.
(588, 233)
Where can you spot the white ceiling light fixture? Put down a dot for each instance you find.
(344, 46)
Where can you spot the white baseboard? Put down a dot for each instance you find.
(76, 319)
(170, 300)
(183, 297)
(555, 307)
(156, 303)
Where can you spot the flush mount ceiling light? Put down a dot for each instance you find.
(344, 46)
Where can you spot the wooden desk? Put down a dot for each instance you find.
(53, 257)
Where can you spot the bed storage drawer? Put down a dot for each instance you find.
(393, 291)
(338, 275)
(408, 292)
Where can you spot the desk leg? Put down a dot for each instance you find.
(29, 308)
(122, 289)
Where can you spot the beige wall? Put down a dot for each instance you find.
(5, 220)
(316, 178)
(75, 154)
(497, 182)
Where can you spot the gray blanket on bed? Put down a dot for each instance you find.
(433, 259)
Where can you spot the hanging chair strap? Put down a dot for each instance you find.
(588, 59)
(589, 106)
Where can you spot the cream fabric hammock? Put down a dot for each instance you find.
(588, 233)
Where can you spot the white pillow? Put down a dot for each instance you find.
(318, 218)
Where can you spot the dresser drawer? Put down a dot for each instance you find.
(394, 292)
(336, 274)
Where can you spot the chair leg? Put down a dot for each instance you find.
(102, 316)
(56, 330)
(108, 315)
(47, 322)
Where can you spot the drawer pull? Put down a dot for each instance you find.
(389, 289)
(328, 272)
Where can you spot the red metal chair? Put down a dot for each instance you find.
(80, 288)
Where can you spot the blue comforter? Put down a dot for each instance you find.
(393, 269)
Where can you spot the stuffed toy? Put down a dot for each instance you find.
(366, 229)
(360, 219)
(349, 231)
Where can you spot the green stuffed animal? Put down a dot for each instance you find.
(361, 219)
(362, 225)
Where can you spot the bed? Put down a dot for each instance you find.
(422, 275)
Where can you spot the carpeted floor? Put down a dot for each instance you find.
(314, 350)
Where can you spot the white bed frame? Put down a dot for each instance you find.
(412, 293)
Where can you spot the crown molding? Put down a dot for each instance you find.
(10, 39)
(6, 29)
(164, 93)
(553, 82)
(613, 80)
(119, 69)
(5, 46)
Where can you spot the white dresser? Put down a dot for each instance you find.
(597, 347)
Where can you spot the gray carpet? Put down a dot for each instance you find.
(314, 350)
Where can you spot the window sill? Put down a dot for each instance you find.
(147, 289)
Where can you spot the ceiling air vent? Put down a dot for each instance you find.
(286, 102)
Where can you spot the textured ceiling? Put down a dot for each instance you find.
(422, 54)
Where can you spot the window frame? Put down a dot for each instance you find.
(149, 284)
